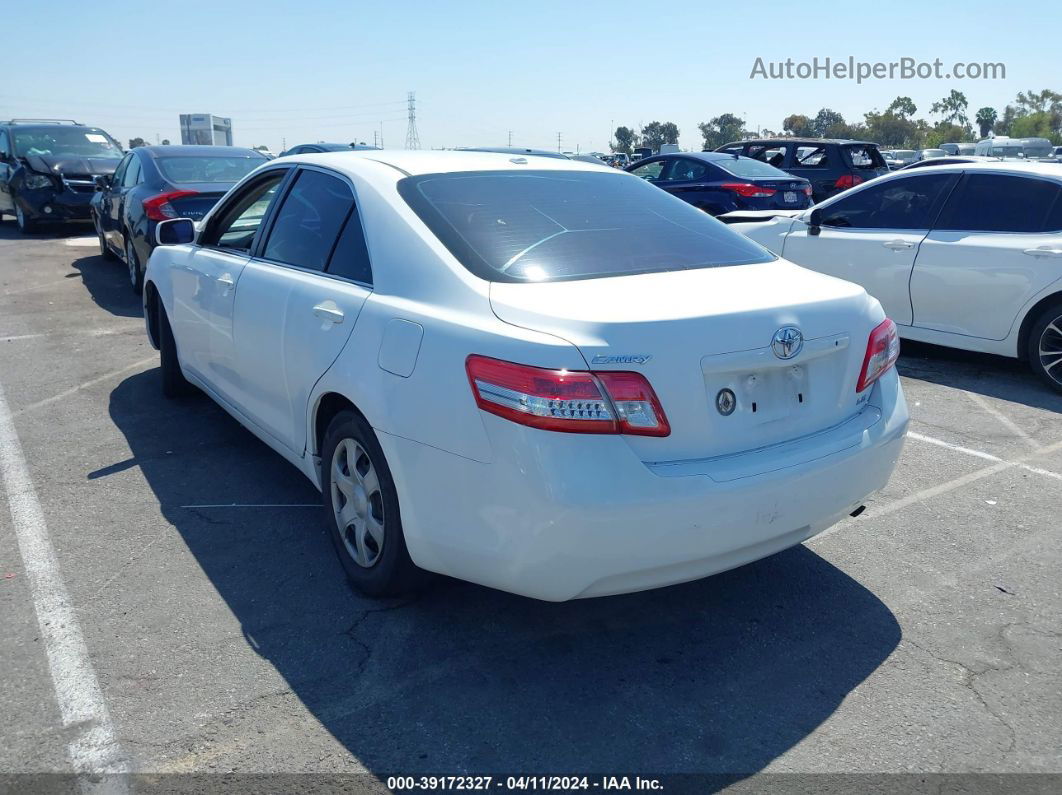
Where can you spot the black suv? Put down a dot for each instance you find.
(48, 169)
(831, 165)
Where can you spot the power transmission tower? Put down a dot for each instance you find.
(510, 138)
(558, 142)
(412, 139)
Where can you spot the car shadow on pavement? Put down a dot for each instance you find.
(9, 231)
(992, 376)
(108, 283)
(719, 676)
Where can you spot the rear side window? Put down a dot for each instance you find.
(649, 170)
(132, 173)
(774, 155)
(551, 225)
(908, 203)
(308, 221)
(999, 203)
(685, 170)
(811, 157)
(351, 256)
(865, 156)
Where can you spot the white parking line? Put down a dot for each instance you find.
(94, 749)
(986, 456)
(1004, 420)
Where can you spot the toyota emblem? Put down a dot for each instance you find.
(787, 342)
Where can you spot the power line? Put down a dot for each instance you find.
(412, 138)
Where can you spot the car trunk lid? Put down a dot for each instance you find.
(694, 334)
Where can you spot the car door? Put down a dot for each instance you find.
(204, 290)
(996, 244)
(871, 235)
(815, 163)
(107, 225)
(298, 300)
(687, 179)
(115, 200)
(7, 205)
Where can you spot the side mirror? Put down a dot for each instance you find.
(175, 232)
(815, 222)
(103, 181)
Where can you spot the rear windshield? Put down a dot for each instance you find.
(507, 226)
(210, 168)
(747, 167)
(865, 156)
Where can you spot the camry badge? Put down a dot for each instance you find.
(623, 358)
(787, 342)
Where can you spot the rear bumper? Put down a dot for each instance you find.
(559, 516)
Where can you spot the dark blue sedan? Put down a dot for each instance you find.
(721, 183)
(155, 183)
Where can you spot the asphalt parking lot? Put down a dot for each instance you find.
(923, 636)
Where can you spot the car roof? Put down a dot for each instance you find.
(513, 150)
(1052, 170)
(192, 150)
(817, 141)
(416, 162)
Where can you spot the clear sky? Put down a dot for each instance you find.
(308, 70)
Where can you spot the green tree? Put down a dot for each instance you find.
(944, 132)
(798, 125)
(892, 130)
(655, 134)
(135, 142)
(721, 130)
(985, 119)
(1033, 125)
(626, 140)
(827, 123)
(952, 108)
(902, 107)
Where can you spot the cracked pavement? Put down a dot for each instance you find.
(923, 637)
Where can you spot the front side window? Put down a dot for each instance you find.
(119, 173)
(524, 226)
(999, 203)
(239, 221)
(650, 171)
(908, 203)
(59, 141)
(5, 149)
(309, 220)
(773, 155)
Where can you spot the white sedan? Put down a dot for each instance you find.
(966, 255)
(541, 375)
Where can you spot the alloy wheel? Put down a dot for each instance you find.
(357, 503)
(20, 217)
(1050, 349)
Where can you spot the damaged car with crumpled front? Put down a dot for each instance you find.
(49, 169)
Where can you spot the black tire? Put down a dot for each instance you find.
(1046, 335)
(105, 250)
(393, 571)
(132, 262)
(26, 225)
(174, 384)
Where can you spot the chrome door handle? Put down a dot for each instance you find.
(226, 280)
(1044, 252)
(328, 311)
(897, 245)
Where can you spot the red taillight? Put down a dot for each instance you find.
(883, 348)
(748, 190)
(158, 208)
(846, 181)
(807, 190)
(574, 401)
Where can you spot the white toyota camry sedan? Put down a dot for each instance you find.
(541, 375)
